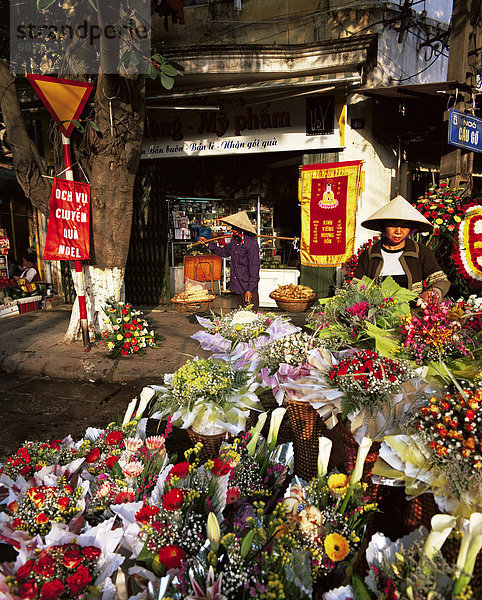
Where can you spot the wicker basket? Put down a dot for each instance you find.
(193, 307)
(419, 511)
(211, 443)
(351, 451)
(293, 305)
(307, 427)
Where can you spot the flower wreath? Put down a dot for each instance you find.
(466, 254)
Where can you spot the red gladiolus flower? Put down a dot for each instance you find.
(127, 334)
(114, 438)
(133, 341)
(23, 572)
(171, 556)
(144, 514)
(442, 185)
(124, 311)
(436, 231)
(220, 468)
(110, 461)
(135, 348)
(79, 580)
(173, 499)
(180, 470)
(124, 352)
(52, 590)
(470, 415)
(92, 456)
(127, 345)
(28, 590)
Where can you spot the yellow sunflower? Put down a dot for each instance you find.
(336, 547)
(338, 483)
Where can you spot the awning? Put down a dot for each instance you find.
(441, 89)
(271, 85)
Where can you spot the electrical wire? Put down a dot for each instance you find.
(419, 72)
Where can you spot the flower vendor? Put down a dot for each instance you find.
(245, 261)
(409, 263)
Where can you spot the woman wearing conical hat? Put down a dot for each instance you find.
(245, 261)
(412, 265)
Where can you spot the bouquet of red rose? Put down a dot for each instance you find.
(56, 572)
(368, 380)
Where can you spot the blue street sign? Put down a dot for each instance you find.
(465, 131)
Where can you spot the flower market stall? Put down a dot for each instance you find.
(302, 446)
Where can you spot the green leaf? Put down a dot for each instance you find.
(78, 125)
(44, 4)
(384, 343)
(133, 59)
(94, 125)
(168, 69)
(152, 71)
(167, 81)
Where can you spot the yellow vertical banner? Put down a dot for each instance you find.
(329, 196)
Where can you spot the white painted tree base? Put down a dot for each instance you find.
(99, 285)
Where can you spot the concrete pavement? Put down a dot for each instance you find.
(32, 344)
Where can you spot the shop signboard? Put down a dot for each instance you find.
(68, 235)
(465, 131)
(304, 124)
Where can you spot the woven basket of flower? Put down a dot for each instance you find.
(307, 427)
(292, 305)
(351, 451)
(211, 443)
(419, 511)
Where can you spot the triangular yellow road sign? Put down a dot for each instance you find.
(63, 98)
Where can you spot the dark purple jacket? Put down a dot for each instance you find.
(245, 263)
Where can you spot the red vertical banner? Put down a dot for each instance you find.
(329, 196)
(68, 231)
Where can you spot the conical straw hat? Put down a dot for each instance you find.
(397, 209)
(241, 221)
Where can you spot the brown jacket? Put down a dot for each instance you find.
(418, 262)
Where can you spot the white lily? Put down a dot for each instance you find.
(146, 395)
(129, 411)
(251, 447)
(362, 453)
(213, 531)
(324, 451)
(442, 525)
(274, 425)
(469, 549)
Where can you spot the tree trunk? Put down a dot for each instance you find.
(27, 162)
(112, 162)
(100, 285)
